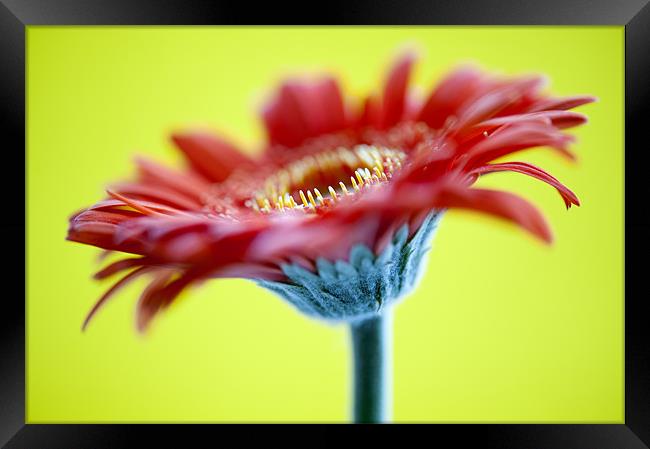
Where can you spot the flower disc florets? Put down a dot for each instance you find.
(338, 173)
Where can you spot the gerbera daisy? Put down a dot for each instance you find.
(336, 213)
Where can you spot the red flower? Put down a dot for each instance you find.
(329, 177)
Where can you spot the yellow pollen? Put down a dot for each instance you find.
(311, 198)
(332, 193)
(354, 183)
(369, 165)
(318, 195)
(359, 178)
(304, 200)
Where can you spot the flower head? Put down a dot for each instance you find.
(341, 203)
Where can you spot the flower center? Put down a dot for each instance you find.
(336, 173)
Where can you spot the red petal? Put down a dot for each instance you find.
(501, 204)
(157, 194)
(371, 113)
(302, 110)
(147, 306)
(250, 271)
(559, 119)
(497, 99)
(121, 265)
(283, 118)
(158, 297)
(154, 173)
(521, 167)
(209, 155)
(322, 107)
(515, 138)
(139, 207)
(395, 91)
(561, 103)
(446, 100)
(98, 228)
(134, 204)
(111, 291)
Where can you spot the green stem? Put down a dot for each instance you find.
(372, 348)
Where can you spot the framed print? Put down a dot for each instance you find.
(436, 211)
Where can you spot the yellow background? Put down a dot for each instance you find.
(502, 329)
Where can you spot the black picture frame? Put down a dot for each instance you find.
(15, 15)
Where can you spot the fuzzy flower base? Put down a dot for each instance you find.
(362, 286)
